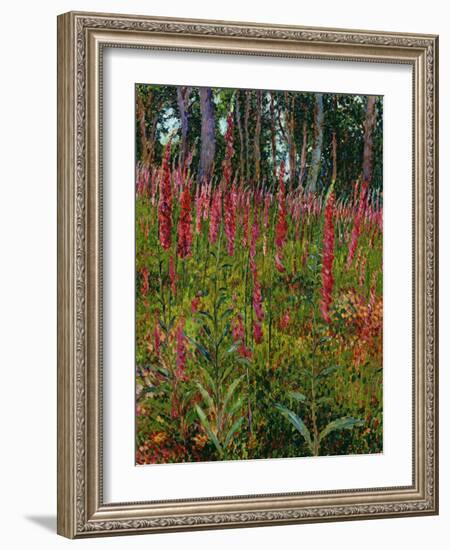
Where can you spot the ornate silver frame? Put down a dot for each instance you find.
(81, 510)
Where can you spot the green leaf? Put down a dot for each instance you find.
(328, 371)
(344, 423)
(206, 314)
(206, 396)
(297, 422)
(227, 372)
(232, 349)
(223, 298)
(231, 390)
(233, 430)
(187, 397)
(200, 348)
(171, 322)
(163, 371)
(226, 313)
(235, 406)
(190, 417)
(209, 380)
(212, 436)
(149, 390)
(300, 397)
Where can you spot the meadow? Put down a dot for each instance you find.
(259, 311)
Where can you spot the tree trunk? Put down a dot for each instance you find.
(303, 154)
(369, 125)
(183, 93)
(208, 137)
(314, 169)
(290, 132)
(146, 142)
(273, 137)
(334, 157)
(247, 139)
(241, 138)
(257, 146)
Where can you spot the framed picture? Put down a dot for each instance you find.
(247, 282)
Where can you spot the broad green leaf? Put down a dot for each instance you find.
(297, 422)
(206, 396)
(227, 372)
(208, 429)
(232, 387)
(191, 416)
(235, 406)
(233, 430)
(344, 423)
(208, 378)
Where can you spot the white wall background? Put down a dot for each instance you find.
(28, 272)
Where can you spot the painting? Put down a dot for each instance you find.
(258, 274)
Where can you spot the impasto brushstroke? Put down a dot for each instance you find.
(259, 307)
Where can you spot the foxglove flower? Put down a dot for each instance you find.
(230, 218)
(357, 224)
(165, 202)
(281, 227)
(145, 285)
(327, 259)
(184, 225)
(215, 217)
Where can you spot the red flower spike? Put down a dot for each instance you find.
(327, 260)
(215, 217)
(184, 225)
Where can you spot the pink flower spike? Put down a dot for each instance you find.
(257, 332)
(327, 260)
(278, 264)
(184, 225)
(215, 217)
